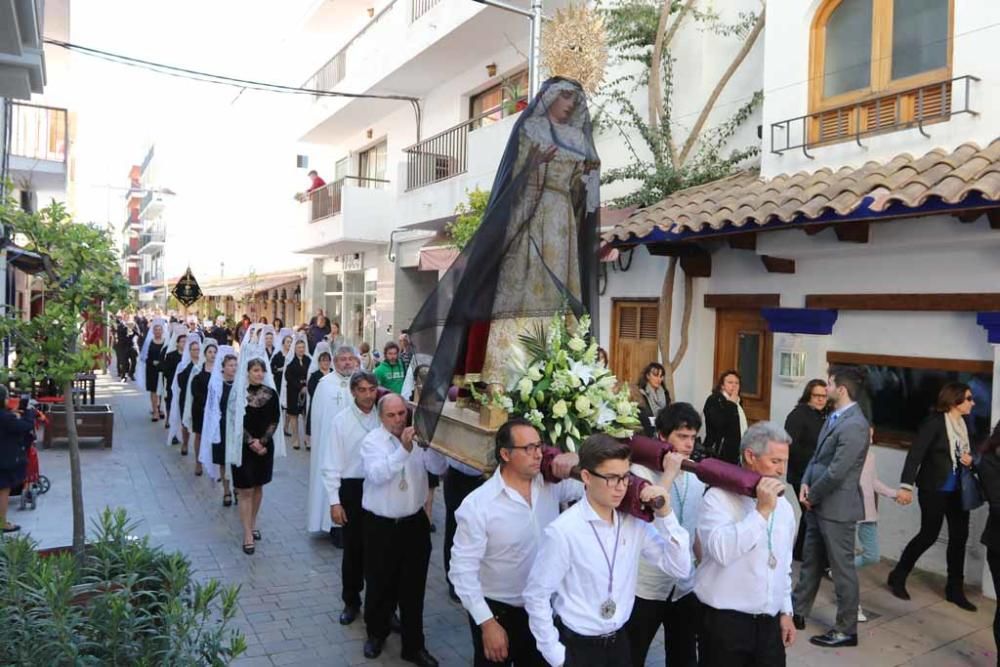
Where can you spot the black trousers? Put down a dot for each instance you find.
(121, 361)
(521, 648)
(352, 570)
(398, 552)
(457, 485)
(800, 537)
(993, 560)
(734, 639)
(935, 507)
(680, 629)
(605, 651)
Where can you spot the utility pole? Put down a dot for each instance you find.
(535, 40)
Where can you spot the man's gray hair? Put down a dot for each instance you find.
(760, 435)
(357, 377)
(345, 349)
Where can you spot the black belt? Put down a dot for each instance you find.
(741, 614)
(603, 641)
(402, 519)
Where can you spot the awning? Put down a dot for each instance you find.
(240, 285)
(436, 257)
(23, 259)
(939, 181)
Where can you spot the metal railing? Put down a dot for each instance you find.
(335, 69)
(446, 154)
(420, 7)
(155, 236)
(39, 132)
(914, 107)
(329, 199)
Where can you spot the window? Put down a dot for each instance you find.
(879, 64)
(371, 166)
(504, 99)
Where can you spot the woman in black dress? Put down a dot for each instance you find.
(296, 381)
(284, 351)
(151, 358)
(192, 357)
(199, 396)
(213, 433)
(171, 359)
(251, 446)
(803, 424)
(725, 421)
(320, 368)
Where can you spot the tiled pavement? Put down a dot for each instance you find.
(290, 596)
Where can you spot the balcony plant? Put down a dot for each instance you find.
(123, 602)
(515, 98)
(468, 216)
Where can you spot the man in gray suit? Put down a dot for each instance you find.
(831, 493)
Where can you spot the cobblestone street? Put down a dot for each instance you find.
(290, 596)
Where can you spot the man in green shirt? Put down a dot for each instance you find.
(391, 372)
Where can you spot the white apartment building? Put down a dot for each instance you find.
(868, 236)
(144, 232)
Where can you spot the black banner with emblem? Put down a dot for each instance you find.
(187, 290)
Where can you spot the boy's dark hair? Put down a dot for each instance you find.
(601, 447)
(505, 435)
(677, 416)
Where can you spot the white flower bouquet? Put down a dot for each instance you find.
(564, 392)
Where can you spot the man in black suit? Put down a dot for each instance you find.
(831, 494)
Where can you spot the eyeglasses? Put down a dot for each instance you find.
(530, 449)
(612, 480)
(969, 399)
(818, 395)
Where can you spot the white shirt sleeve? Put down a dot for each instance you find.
(543, 582)
(570, 490)
(667, 545)
(381, 463)
(723, 539)
(466, 557)
(331, 462)
(435, 462)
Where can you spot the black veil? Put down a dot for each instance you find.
(471, 290)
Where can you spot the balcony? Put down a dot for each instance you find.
(22, 60)
(352, 214)
(906, 109)
(151, 242)
(38, 145)
(151, 206)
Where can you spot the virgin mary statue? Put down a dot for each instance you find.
(533, 256)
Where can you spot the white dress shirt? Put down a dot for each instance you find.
(333, 394)
(497, 540)
(387, 465)
(734, 573)
(571, 566)
(685, 501)
(340, 449)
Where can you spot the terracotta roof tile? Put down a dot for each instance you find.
(746, 199)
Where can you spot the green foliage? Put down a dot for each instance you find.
(470, 214)
(123, 603)
(81, 278)
(653, 165)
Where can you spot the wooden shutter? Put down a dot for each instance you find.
(633, 338)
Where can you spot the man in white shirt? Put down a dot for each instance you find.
(744, 579)
(499, 526)
(661, 600)
(397, 530)
(333, 394)
(343, 472)
(585, 572)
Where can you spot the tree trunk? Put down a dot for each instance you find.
(76, 480)
(654, 91)
(664, 322)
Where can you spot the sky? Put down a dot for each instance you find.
(228, 154)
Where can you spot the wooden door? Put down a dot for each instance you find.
(743, 342)
(633, 337)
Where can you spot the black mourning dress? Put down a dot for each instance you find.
(169, 366)
(182, 386)
(219, 448)
(199, 396)
(277, 368)
(260, 422)
(295, 375)
(154, 358)
(311, 388)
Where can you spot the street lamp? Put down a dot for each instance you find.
(534, 48)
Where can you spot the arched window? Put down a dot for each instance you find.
(888, 61)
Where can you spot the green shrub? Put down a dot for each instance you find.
(470, 214)
(123, 602)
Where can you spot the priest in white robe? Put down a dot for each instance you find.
(333, 394)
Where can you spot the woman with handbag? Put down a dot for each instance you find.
(988, 467)
(939, 460)
(16, 430)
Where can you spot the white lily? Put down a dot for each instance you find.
(582, 371)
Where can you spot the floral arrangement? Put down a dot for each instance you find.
(563, 391)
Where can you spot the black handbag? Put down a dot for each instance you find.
(968, 486)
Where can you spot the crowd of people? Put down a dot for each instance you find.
(546, 567)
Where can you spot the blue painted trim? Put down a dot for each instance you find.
(816, 321)
(862, 214)
(991, 322)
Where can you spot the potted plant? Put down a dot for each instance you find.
(515, 98)
(120, 601)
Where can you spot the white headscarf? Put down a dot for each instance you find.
(237, 410)
(140, 371)
(321, 347)
(213, 411)
(176, 330)
(283, 390)
(186, 418)
(286, 332)
(175, 409)
(264, 330)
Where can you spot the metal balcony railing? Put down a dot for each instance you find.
(39, 132)
(147, 238)
(329, 199)
(335, 69)
(915, 107)
(420, 7)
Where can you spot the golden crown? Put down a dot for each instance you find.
(574, 46)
